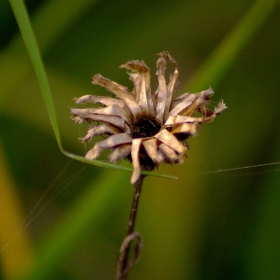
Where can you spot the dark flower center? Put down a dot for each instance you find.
(145, 128)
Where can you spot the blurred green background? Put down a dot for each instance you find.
(217, 225)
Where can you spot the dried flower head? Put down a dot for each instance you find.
(148, 129)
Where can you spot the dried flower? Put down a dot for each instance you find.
(148, 129)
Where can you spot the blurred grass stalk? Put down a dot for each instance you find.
(215, 67)
(16, 259)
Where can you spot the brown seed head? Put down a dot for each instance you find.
(147, 129)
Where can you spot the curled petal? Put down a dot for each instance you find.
(135, 147)
(168, 56)
(187, 128)
(136, 79)
(120, 152)
(112, 110)
(170, 89)
(181, 97)
(191, 109)
(100, 130)
(136, 65)
(144, 96)
(164, 93)
(181, 107)
(83, 114)
(143, 86)
(161, 91)
(171, 85)
(122, 88)
(151, 149)
(171, 141)
(179, 119)
(170, 154)
(187, 108)
(159, 157)
(191, 97)
(104, 100)
(121, 92)
(188, 103)
(184, 97)
(110, 142)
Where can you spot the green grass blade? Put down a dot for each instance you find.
(212, 71)
(47, 35)
(35, 57)
(22, 18)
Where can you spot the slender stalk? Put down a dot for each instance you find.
(123, 265)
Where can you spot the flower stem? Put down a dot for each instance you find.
(123, 265)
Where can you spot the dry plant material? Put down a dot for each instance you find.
(144, 127)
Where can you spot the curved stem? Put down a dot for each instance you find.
(123, 265)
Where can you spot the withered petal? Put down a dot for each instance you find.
(170, 89)
(120, 152)
(165, 98)
(194, 106)
(112, 110)
(187, 128)
(121, 92)
(172, 120)
(161, 90)
(104, 100)
(86, 116)
(150, 98)
(135, 147)
(168, 56)
(142, 86)
(136, 65)
(184, 97)
(135, 77)
(100, 130)
(110, 142)
(159, 157)
(179, 108)
(191, 97)
(151, 149)
(187, 107)
(142, 98)
(170, 154)
(171, 141)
